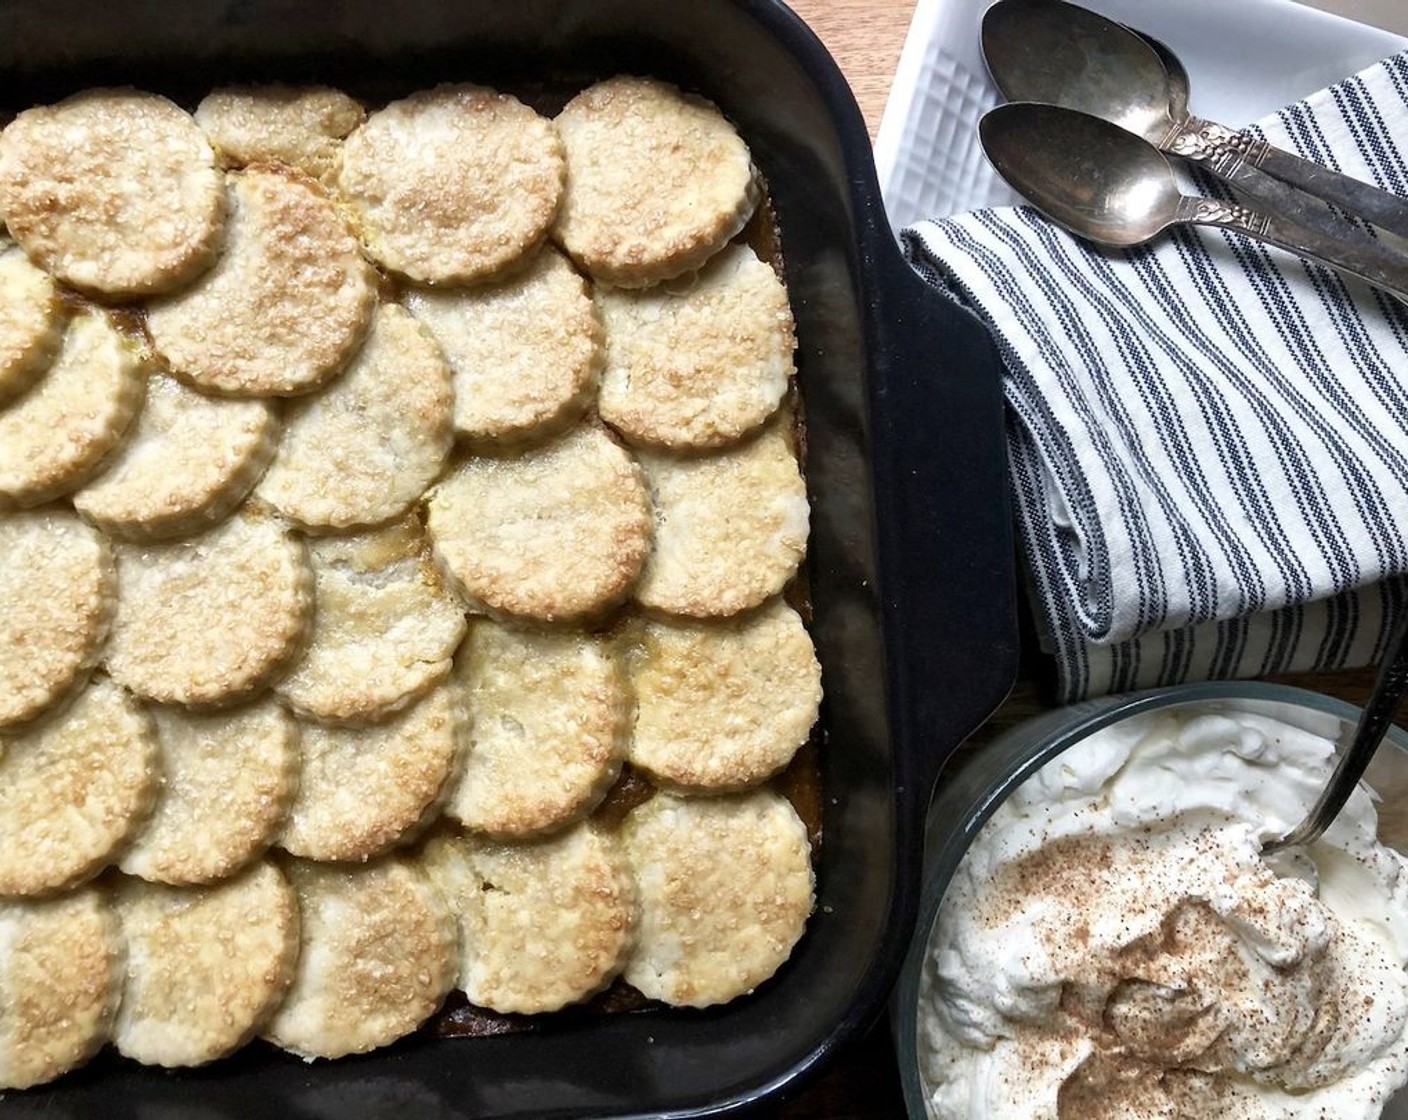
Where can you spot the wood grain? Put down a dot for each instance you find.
(865, 38)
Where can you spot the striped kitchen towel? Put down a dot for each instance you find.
(1208, 437)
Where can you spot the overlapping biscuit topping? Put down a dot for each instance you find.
(397, 517)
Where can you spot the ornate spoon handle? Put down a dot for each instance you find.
(1346, 247)
(1231, 155)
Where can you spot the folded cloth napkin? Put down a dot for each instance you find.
(1208, 437)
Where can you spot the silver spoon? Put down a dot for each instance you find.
(1050, 50)
(1111, 186)
(1374, 722)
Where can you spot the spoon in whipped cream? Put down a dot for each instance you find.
(1377, 717)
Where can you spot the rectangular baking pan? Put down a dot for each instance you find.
(910, 567)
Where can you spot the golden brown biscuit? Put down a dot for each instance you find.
(548, 716)
(366, 447)
(300, 126)
(53, 437)
(57, 593)
(378, 958)
(206, 966)
(453, 184)
(725, 888)
(385, 627)
(73, 788)
(364, 789)
(525, 351)
(730, 527)
(543, 923)
(102, 212)
(212, 618)
(229, 779)
(657, 181)
(721, 705)
(187, 461)
(31, 321)
(557, 532)
(286, 305)
(61, 963)
(697, 362)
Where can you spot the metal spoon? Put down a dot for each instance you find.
(1373, 725)
(1250, 182)
(1050, 50)
(1111, 186)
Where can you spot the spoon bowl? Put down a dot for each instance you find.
(1174, 72)
(1108, 185)
(1091, 176)
(1045, 50)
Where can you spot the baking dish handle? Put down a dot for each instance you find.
(946, 535)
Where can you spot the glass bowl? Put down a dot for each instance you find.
(978, 781)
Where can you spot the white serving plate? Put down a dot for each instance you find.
(1245, 59)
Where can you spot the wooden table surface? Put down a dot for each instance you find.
(862, 1082)
(865, 37)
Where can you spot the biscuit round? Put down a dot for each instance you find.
(378, 958)
(57, 592)
(543, 923)
(366, 447)
(229, 779)
(61, 962)
(453, 184)
(697, 362)
(657, 181)
(187, 461)
(286, 305)
(730, 527)
(104, 212)
(73, 789)
(548, 716)
(209, 619)
(57, 434)
(721, 705)
(385, 627)
(206, 966)
(31, 321)
(725, 888)
(364, 789)
(299, 126)
(525, 351)
(557, 532)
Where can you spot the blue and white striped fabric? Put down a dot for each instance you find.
(1208, 437)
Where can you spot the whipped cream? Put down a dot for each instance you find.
(1114, 944)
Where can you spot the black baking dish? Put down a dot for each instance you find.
(910, 567)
